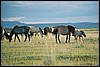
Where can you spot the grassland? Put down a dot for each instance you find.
(46, 52)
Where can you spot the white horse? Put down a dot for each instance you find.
(79, 34)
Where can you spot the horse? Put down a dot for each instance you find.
(63, 30)
(3, 33)
(47, 29)
(36, 30)
(79, 34)
(8, 30)
(20, 30)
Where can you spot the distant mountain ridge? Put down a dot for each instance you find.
(10, 24)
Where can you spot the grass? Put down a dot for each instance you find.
(46, 52)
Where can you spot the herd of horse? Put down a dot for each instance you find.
(29, 31)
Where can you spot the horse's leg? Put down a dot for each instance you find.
(15, 38)
(25, 37)
(2, 37)
(29, 37)
(82, 40)
(79, 38)
(18, 38)
(58, 38)
(35, 34)
(22, 35)
(69, 38)
(75, 37)
(38, 35)
(41, 35)
(66, 38)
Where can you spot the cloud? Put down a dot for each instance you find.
(24, 19)
(48, 3)
(13, 18)
(56, 8)
(52, 11)
(18, 3)
(63, 20)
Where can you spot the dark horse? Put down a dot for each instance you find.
(8, 30)
(3, 33)
(47, 29)
(20, 30)
(63, 30)
(35, 30)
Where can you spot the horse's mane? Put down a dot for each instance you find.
(11, 33)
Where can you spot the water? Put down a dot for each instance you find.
(77, 25)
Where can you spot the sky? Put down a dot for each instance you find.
(32, 12)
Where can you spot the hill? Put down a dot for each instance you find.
(9, 24)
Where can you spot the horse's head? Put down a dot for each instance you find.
(47, 29)
(83, 33)
(10, 38)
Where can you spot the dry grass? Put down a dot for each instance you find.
(45, 52)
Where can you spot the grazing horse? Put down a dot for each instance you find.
(79, 34)
(47, 29)
(36, 30)
(20, 30)
(3, 33)
(8, 30)
(63, 30)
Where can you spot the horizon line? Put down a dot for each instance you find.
(54, 22)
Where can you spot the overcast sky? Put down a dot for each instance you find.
(50, 11)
